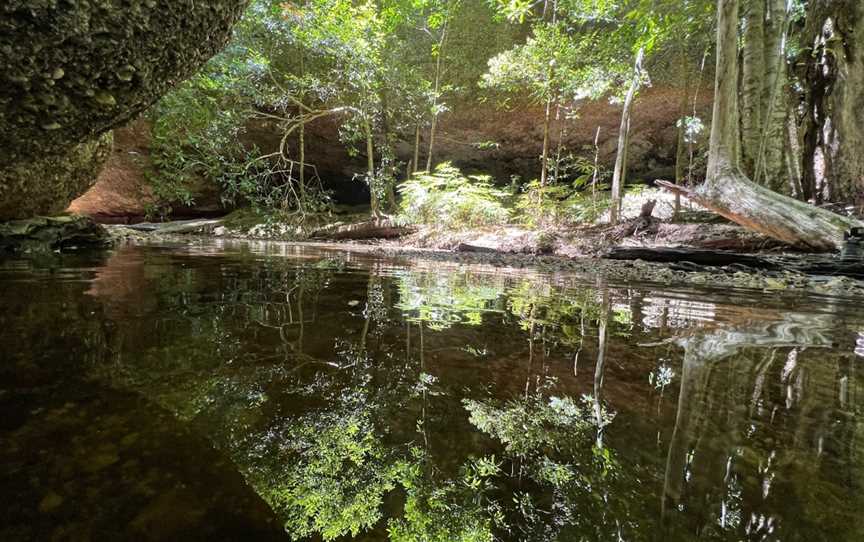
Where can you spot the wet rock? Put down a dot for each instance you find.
(43, 234)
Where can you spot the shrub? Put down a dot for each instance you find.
(450, 199)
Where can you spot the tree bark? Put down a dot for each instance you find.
(834, 97)
(770, 167)
(681, 150)
(844, 129)
(727, 191)
(752, 72)
(618, 177)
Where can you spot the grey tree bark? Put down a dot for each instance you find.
(620, 172)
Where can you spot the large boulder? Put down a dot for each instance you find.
(44, 186)
(71, 70)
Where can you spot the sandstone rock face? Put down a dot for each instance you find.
(71, 70)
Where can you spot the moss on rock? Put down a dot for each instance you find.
(47, 234)
(71, 70)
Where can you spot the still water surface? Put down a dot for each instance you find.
(271, 392)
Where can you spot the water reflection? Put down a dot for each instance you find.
(371, 399)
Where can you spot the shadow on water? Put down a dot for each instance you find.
(257, 392)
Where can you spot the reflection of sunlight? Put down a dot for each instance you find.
(859, 344)
(676, 313)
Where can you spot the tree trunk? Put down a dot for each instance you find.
(727, 191)
(544, 156)
(834, 85)
(753, 73)
(681, 150)
(301, 174)
(370, 171)
(844, 139)
(416, 163)
(435, 91)
(620, 172)
(770, 168)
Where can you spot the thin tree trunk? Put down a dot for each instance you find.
(301, 175)
(416, 149)
(623, 133)
(727, 191)
(302, 166)
(557, 171)
(681, 150)
(435, 92)
(544, 156)
(370, 170)
(596, 173)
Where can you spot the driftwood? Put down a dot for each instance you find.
(177, 226)
(690, 259)
(370, 229)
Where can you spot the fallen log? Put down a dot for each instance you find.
(370, 229)
(733, 196)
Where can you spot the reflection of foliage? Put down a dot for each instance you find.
(442, 300)
(450, 511)
(339, 479)
(531, 425)
(548, 441)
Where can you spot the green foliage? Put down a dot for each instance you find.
(194, 139)
(449, 199)
(552, 64)
(338, 484)
(533, 425)
(584, 200)
(452, 510)
(371, 68)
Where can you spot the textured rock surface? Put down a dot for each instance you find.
(46, 185)
(70, 70)
(43, 234)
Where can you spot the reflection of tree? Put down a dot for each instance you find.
(442, 300)
(369, 431)
(753, 432)
(556, 476)
(335, 475)
(443, 511)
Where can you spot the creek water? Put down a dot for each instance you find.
(277, 392)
